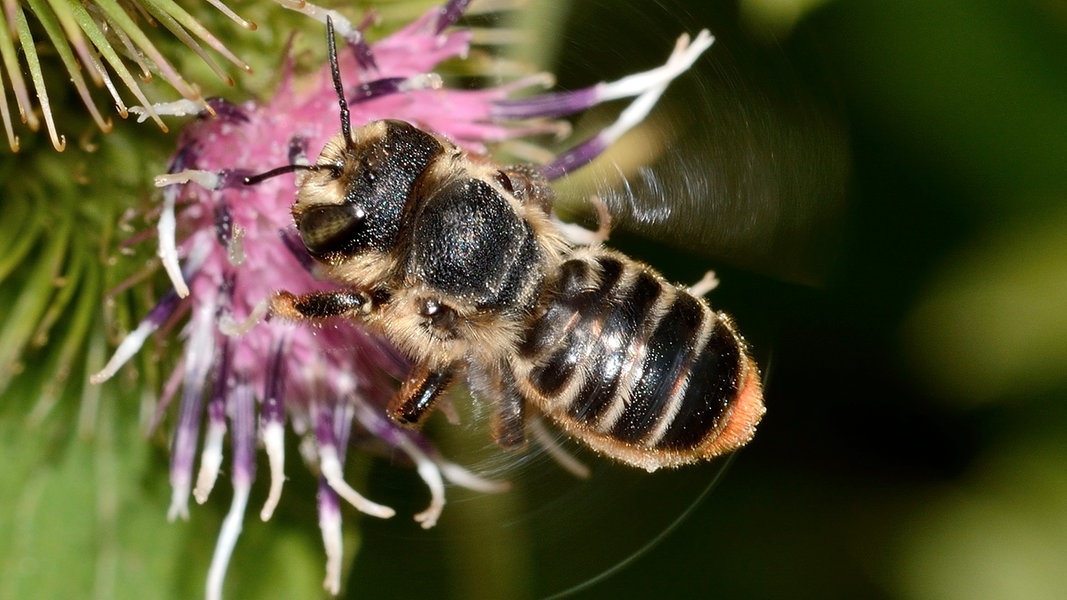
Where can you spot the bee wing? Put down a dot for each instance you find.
(744, 160)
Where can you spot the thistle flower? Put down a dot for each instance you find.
(227, 247)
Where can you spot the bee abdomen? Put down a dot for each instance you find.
(638, 368)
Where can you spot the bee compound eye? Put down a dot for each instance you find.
(331, 227)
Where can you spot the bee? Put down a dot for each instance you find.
(457, 261)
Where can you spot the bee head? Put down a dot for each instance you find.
(355, 197)
(352, 200)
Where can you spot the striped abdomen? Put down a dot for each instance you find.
(637, 368)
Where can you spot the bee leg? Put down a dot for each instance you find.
(580, 236)
(308, 307)
(320, 305)
(416, 398)
(495, 384)
(509, 424)
(528, 185)
(707, 283)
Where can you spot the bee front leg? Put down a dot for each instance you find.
(315, 306)
(320, 305)
(417, 397)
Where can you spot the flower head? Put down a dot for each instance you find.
(228, 246)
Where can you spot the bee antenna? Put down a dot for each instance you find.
(346, 126)
(282, 170)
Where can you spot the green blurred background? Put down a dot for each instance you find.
(882, 192)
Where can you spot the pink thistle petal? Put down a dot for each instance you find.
(274, 445)
(168, 250)
(462, 477)
(332, 541)
(563, 458)
(211, 456)
(244, 472)
(272, 428)
(331, 467)
(199, 352)
(210, 459)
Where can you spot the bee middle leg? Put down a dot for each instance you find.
(419, 393)
(417, 397)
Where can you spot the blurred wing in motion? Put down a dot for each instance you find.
(741, 163)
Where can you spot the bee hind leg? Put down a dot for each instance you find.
(495, 384)
(528, 185)
(580, 236)
(509, 425)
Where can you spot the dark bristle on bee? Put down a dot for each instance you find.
(457, 261)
